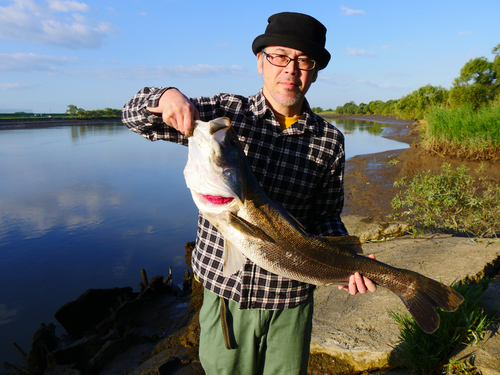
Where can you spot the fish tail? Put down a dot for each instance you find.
(424, 295)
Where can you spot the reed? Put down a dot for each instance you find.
(463, 132)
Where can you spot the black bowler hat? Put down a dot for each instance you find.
(298, 31)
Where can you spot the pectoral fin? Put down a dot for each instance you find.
(233, 259)
(248, 228)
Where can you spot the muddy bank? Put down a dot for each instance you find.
(369, 178)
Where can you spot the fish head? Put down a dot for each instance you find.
(216, 168)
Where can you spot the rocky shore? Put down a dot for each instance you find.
(156, 331)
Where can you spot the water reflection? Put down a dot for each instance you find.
(111, 128)
(365, 137)
(77, 206)
(350, 126)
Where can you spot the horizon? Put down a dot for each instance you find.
(98, 54)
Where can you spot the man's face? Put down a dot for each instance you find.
(285, 87)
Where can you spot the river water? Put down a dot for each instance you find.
(90, 206)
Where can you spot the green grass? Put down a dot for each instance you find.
(463, 132)
(424, 354)
(452, 201)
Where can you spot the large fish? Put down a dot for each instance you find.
(228, 195)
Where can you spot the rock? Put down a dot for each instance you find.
(354, 333)
(91, 308)
(80, 351)
(44, 341)
(369, 229)
(113, 331)
(63, 370)
(485, 354)
(491, 298)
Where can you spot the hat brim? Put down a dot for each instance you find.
(317, 52)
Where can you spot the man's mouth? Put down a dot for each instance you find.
(214, 199)
(288, 84)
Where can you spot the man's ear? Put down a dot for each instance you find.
(260, 62)
(315, 75)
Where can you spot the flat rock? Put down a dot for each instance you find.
(369, 229)
(356, 332)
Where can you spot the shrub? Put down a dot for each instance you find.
(452, 201)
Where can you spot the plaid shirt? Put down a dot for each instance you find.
(301, 168)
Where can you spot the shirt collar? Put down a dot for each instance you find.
(308, 120)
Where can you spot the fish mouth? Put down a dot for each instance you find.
(215, 203)
(217, 200)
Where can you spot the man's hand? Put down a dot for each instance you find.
(177, 111)
(358, 283)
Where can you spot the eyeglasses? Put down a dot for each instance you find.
(282, 61)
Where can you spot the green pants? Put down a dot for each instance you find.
(273, 342)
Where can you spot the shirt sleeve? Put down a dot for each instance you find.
(136, 116)
(139, 119)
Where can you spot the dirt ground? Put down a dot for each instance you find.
(369, 178)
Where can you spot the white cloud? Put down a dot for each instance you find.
(351, 12)
(384, 86)
(67, 6)
(31, 62)
(7, 315)
(52, 22)
(359, 52)
(157, 72)
(225, 46)
(464, 33)
(26, 62)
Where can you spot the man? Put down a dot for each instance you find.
(298, 159)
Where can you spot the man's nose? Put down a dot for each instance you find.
(292, 67)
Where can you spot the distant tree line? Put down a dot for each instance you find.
(477, 85)
(75, 112)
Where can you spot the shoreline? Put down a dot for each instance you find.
(373, 118)
(369, 178)
(46, 123)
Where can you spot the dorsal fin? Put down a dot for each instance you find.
(348, 243)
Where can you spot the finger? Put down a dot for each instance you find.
(170, 121)
(370, 285)
(187, 122)
(371, 256)
(360, 284)
(196, 114)
(352, 285)
(189, 117)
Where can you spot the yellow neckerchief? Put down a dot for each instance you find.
(285, 122)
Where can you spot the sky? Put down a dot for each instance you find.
(97, 54)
